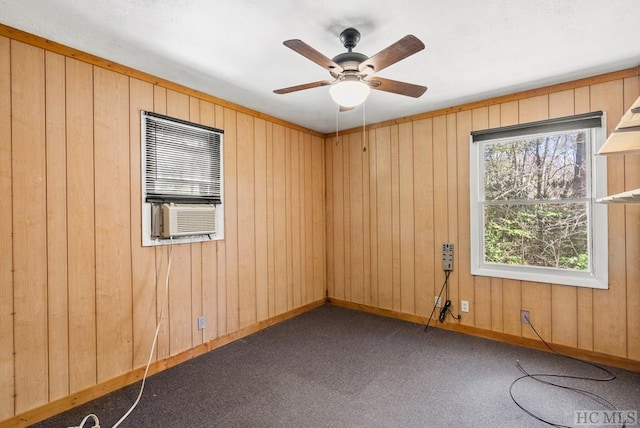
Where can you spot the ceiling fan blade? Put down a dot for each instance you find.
(402, 88)
(303, 86)
(343, 109)
(308, 52)
(397, 51)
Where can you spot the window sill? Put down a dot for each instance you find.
(550, 276)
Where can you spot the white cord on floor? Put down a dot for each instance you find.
(95, 419)
(153, 347)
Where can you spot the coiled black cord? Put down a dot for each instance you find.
(609, 376)
(447, 303)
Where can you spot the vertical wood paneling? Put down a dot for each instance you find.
(346, 220)
(440, 202)
(407, 231)
(209, 255)
(439, 209)
(366, 216)
(231, 216)
(197, 335)
(305, 142)
(511, 305)
(584, 296)
(423, 208)
(288, 219)
(496, 283)
(271, 261)
(7, 399)
(536, 297)
(319, 250)
(496, 304)
(143, 277)
(112, 223)
(179, 314)
(483, 298)
(295, 219)
(338, 221)
(246, 223)
(512, 289)
(260, 194)
(70, 246)
(161, 257)
(80, 225)
(373, 216)
(309, 208)
(585, 319)
(452, 214)
(458, 182)
(564, 315)
(509, 113)
(305, 211)
(221, 248)
(609, 332)
(632, 229)
(384, 218)
(79, 296)
(57, 295)
(564, 299)
(356, 218)
(562, 103)
(29, 225)
(279, 218)
(328, 153)
(395, 220)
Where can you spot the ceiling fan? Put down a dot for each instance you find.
(352, 71)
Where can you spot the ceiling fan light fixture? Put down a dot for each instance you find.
(349, 93)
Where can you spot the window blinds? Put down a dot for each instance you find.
(580, 121)
(182, 162)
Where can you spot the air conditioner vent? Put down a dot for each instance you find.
(188, 219)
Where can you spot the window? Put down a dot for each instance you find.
(533, 211)
(181, 181)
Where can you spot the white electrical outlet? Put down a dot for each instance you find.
(202, 323)
(464, 306)
(437, 302)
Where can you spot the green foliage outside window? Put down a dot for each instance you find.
(535, 201)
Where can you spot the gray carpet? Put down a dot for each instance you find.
(335, 367)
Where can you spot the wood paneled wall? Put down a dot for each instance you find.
(79, 295)
(390, 209)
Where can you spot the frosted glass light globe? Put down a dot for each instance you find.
(349, 93)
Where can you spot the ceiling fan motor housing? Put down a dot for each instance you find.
(349, 61)
(350, 38)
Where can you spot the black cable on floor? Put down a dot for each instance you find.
(435, 305)
(538, 378)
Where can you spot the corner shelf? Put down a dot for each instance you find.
(624, 140)
(629, 197)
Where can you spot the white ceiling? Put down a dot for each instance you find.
(232, 49)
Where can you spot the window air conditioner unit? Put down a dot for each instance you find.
(188, 219)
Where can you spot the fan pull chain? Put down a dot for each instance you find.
(364, 134)
(337, 115)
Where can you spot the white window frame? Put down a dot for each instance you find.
(147, 238)
(598, 276)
